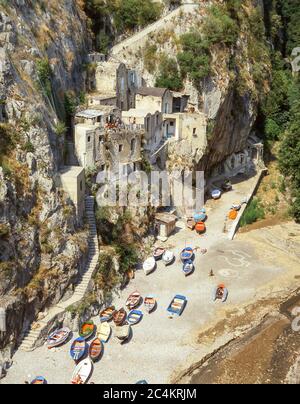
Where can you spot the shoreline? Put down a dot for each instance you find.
(248, 267)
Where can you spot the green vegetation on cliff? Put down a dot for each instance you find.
(119, 16)
(281, 109)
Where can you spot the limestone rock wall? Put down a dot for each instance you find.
(42, 248)
(231, 116)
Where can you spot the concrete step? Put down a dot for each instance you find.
(84, 283)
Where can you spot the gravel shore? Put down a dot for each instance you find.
(160, 345)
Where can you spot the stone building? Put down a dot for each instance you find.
(102, 140)
(127, 84)
(185, 125)
(154, 99)
(101, 99)
(151, 123)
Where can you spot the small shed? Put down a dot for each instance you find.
(165, 223)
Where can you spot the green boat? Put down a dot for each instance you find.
(87, 329)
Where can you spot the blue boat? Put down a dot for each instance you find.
(188, 267)
(142, 382)
(134, 317)
(200, 217)
(39, 380)
(187, 254)
(78, 349)
(177, 305)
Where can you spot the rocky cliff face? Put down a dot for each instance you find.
(43, 47)
(239, 77)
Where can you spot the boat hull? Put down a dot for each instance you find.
(88, 334)
(96, 349)
(134, 317)
(54, 340)
(188, 268)
(149, 266)
(104, 332)
(133, 301)
(82, 372)
(168, 258)
(177, 305)
(107, 314)
(120, 317)
(187, 254)
(78, 349)
(39, 380)
(150, 304)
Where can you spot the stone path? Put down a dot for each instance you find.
(31, 337)
(162, 23)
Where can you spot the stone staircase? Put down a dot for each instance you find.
(39, 330)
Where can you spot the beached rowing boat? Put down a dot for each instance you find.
(220, 293)
(158, 253)
(149, 265)
(200, 217)
(200, 227)
(177, 305)
(120, 316)
(216, 194)
(87, 329)
(190, 223)
(95, 349)
(188, 268)
(39, 380)
(58, 337)
(187, 254)
(150, 303)
(107, 314)
(123, 333)
(82, 372)
(168, 257)
(104, 331)
(78, 349)
(134, 300)
(134, 317)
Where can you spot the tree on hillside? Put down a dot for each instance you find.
(169, 75)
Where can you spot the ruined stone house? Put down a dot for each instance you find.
(154, 99)
(151, 123)
(127, 84)
(102, 140)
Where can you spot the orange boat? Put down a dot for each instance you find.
(233, 214)
(200, 227)
(95, 349)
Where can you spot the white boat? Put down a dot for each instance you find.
(104, 331)
(82, 372)
(123, 333)
(150, 303)
(149, 265)
(168, 257)
(188, 267)
(216, 194)
(236, 206)
(58, 337)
